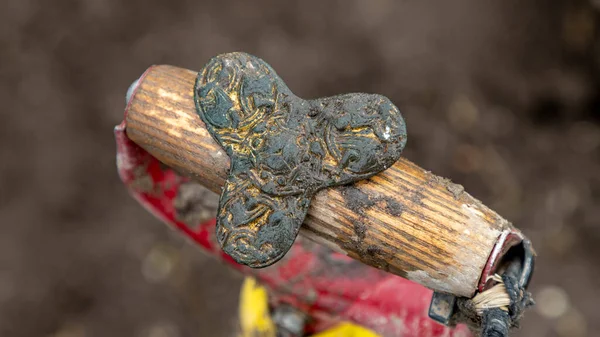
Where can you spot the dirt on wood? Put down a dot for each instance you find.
(501, 97)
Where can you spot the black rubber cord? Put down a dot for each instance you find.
(497, 322)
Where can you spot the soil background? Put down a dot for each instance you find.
(500, 96)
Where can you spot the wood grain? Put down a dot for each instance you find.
(404, 220)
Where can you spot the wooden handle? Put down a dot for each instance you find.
(405, 220)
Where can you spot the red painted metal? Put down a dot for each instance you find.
(508, 239)
(328, 286)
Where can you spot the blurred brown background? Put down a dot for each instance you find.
(500, 96)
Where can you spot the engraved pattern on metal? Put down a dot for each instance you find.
(283, 149)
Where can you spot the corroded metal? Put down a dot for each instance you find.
(442, 307)
(284, 149)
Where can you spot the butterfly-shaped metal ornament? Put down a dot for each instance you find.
(283, 149)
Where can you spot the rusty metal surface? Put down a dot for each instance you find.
(284, 149)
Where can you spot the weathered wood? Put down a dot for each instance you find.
(404, 220)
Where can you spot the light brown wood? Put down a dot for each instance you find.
(404, 220)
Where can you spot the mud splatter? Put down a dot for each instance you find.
(360, 229)
(394, 207)
(374, 250)
(455, 189)
(356, 199)
(195, 204)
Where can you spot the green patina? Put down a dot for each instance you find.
(284, 149)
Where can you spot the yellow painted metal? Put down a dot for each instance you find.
(255, 320)
(347, 330)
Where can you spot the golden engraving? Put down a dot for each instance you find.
(284, 149)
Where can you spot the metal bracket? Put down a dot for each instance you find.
(441, 308)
